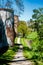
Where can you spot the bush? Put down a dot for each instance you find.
(36, 53)
(32, 35)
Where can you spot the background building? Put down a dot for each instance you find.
(16, 20)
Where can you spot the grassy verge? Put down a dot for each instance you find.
(10, 53)
(32, 54)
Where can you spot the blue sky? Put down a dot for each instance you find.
(29, 5)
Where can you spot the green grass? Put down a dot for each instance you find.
(26, 49)
(15, 40)
(33, 54)
(10, 53)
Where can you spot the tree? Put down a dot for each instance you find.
(38, 14)
(9, 4)
(20, 5)
(38, 17)
(30, 24)
(22, 28)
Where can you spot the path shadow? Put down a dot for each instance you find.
(17, 44)
(27, 48)
(6, 62)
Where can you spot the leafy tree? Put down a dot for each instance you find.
(38, 14)
(32, 23)
(23, 28)
(38, 17)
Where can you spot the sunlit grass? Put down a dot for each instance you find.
(15, 41)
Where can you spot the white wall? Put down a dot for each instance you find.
(7, 18)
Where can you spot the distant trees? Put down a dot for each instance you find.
(31, 23)
(23, 28)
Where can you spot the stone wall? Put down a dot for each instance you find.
(7, 17)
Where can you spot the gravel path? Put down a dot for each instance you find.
(19, 59)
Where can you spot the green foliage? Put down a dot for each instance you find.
(23, 42)
(10, 53)
(38, 16)
(40, 47)
(31, 24)
(37, 13)
(22, 28)
(41, 32)
(35, 45)
(32, 35)
(15, 41)
(40, 63)
(36, 53)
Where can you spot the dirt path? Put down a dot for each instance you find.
(19, 59)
